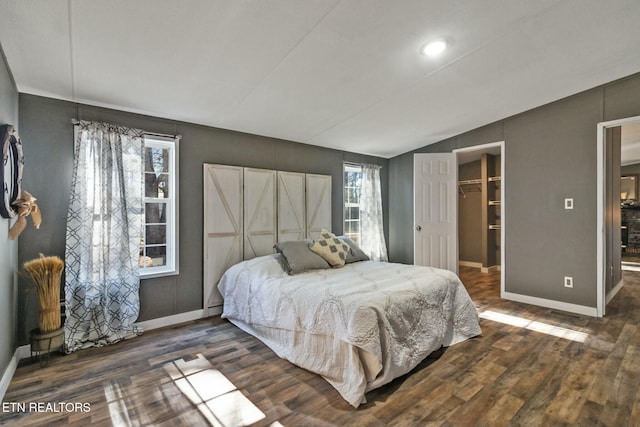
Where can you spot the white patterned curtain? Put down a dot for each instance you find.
(371, 222)
(104, 227)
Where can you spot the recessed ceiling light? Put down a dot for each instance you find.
(434, 47)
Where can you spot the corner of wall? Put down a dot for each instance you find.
(8, 249)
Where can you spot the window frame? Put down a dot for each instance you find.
(349, 167)
(171, 265)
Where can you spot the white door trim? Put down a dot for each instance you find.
(600, 208)
(503, 204)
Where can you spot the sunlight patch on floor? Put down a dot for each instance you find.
(219, 401)
(118, 408)
(534, 325)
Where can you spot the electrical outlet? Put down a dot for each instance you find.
(568, 203)
(568, 282)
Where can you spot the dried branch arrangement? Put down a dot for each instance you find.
(46, 273)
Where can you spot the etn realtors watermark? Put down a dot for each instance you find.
(14, 407)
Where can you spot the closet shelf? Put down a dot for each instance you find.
(470, 182)
(478, 181)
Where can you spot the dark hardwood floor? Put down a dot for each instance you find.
(531, 366)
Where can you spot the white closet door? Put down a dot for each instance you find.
(291, 207)
(435, 201)
(260, 227)
(223, 225)
(318, 204)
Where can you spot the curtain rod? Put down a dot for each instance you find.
(163, 135)
(359, 164)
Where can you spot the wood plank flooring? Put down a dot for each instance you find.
(546, 368)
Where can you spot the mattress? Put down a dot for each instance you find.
(359, 326)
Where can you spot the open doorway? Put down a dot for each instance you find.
(481, 208)
(612, 234)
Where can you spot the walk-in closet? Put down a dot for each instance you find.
(479, 211)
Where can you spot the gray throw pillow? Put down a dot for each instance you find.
(299, 257)
(355, 254)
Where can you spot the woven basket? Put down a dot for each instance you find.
(46, 342)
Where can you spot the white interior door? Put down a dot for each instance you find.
(260, 228)
(435, 183)
(318, 204)
(291, 206)
(223, 225)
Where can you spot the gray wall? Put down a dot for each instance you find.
(550, 155)
(8, 248)
(48, 131)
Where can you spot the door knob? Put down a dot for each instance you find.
(418, 228)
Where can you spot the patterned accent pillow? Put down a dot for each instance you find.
(332, 249)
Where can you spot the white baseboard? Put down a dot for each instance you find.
(556, 305)
(8, 375)
(470, 264)
(613, 292)
(21, 352)
(24, 351)
(175, 319)
(474, 264)
(214, 311)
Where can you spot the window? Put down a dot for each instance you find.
(158, 246)
(352, 183)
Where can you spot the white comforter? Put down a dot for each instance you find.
(359, 326)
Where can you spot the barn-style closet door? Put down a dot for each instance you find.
(223, 227)
(291, 206)
(318, 202)
(260, 225)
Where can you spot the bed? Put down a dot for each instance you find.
(359, 326)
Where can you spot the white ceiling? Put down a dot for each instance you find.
(343, 74)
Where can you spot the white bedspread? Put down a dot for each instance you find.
(359, 326)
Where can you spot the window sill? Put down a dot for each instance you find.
(161, 272)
